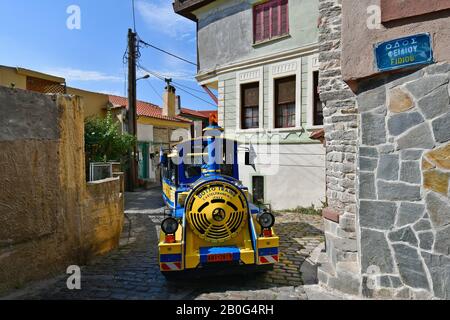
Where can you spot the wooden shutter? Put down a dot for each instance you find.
(270, 19)
(266, 22)
(284, 10)
(258, 23)
(275, 19)
(285, 90)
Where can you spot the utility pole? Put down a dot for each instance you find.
(131, 115)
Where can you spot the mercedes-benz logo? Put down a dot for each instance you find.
(218, 214)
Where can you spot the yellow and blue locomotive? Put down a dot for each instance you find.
(211, 221)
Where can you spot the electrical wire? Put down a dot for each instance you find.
(166, 52)
(195, 96)
(163, 77)
(187, 87)
(155, 91)
(160, 77)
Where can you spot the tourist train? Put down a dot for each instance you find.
(210, 221)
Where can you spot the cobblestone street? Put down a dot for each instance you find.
(132, 272)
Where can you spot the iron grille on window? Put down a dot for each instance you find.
(285, 102)
(250, 105)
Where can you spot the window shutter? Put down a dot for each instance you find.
(275, 19)
(284, 17)
(270, 19)
(266, 22)
(258, 23)
(285, 89)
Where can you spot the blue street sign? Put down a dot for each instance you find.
(404, 52)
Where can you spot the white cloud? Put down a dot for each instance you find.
(71, 74)
(159, 15)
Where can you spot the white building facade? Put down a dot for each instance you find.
(262, 58)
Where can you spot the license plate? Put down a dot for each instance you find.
(220, 257)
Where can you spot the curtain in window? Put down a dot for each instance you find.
(285, 102)
(250, 105)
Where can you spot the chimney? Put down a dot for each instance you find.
(178, 105)
(169, 102)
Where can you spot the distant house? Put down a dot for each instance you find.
(155, 129)
(197, 116)
(262, 57)
(95, 104)
(155, 124)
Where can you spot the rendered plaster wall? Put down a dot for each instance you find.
(44, 203)
(225, 32)
(358, 39)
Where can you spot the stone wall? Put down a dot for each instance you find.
(339, 265)
(43, 195)
(404, 206)
(101, 223)
(388, 149)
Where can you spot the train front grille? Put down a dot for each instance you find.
(216, 211)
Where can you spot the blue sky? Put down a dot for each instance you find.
(34, 35)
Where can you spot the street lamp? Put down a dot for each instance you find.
(144, 77)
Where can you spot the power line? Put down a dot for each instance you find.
(195, 96)
(163, 77)
(155, 91)
(157, 75)
(160, 77)
(196, 90)
(166, 52)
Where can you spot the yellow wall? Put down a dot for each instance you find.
(52, 218)
(94, 103)
(162, 123)
(9, 75)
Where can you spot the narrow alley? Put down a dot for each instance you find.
(132, 271)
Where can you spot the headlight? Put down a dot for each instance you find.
(169, 225)
(266, 220)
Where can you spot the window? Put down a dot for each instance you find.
(317, 104)
(270, 20)
(250, 105)
(285, 102)
(258, 189)
(170, 171)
